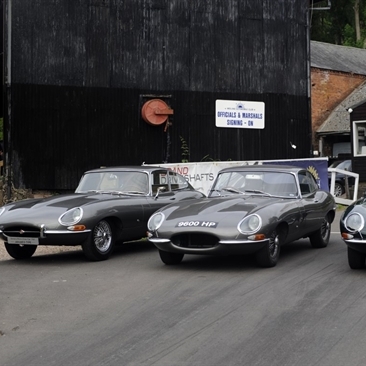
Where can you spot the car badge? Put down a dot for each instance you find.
(21, 232)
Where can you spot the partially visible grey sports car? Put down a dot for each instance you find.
(251, 209)
(109, 205)
(353, 232)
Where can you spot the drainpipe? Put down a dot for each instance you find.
(7, 94)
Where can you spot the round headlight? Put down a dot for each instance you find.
(354, 222)
(71, 217)
(250, 224)
(155, 221)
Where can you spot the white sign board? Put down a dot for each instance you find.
(239, 114)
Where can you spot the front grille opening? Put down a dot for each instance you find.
(22, 231)
(193, 240)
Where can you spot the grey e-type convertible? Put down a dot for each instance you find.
(251, 209)
(109, 205)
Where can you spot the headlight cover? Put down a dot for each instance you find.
(155, 221)
(2, 210)
(250, 224)
(354, 222)
(71, 217)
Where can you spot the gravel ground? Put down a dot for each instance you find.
(41, 250)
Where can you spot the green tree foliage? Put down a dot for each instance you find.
(338, 25)
(185, 150)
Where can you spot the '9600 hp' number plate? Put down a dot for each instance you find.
(210, 224)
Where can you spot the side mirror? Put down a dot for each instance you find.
(160, 189)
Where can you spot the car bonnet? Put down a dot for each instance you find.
(212, 208)
(49, 209)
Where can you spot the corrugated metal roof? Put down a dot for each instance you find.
(338, 58)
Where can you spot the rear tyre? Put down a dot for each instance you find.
(170, 258)
(268, 256)
(20, 251)
(356, 260)
(320, 238)
(100, 244)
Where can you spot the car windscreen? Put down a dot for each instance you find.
(273, 183)
(114, 181)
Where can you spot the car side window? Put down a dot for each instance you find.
(307, 182)
(160, 179)
(313, 183)
(177, 181)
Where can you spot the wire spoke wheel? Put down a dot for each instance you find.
(320, 238)
(325, 230)
(268, 256)
(102, 236)
(274, 245)
(100, 244)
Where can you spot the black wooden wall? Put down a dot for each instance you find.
(81, 70)
(1, 58)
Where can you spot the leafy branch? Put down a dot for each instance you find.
(185, 150)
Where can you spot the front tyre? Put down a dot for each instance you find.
(268, 256)
(20, 251)
(320, 238)
(356, 260)
(170, 258)
(101, 242)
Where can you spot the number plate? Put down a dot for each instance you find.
(208, 224)
(23, 241)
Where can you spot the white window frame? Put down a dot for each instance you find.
(357, 149)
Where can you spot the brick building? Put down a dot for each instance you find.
(338, 81)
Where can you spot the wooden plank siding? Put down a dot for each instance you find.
(358, 163)
(81, 70)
